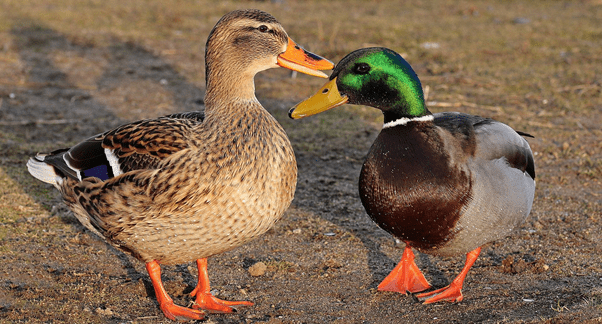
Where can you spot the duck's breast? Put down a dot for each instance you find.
(409, 188)
(212, 199)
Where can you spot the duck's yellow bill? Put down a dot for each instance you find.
(326, 98)
(298, 59)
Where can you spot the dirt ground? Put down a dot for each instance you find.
(72, 69)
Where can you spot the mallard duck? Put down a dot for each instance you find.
(443, 183)
(190, 185)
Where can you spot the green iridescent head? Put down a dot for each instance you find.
(381, 78)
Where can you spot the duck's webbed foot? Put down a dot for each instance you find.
(204, 300)
(453, 292)
(405, 277)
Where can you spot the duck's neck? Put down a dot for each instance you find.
(405, 111)
(408, 102)
(402, 89)
(230, 101)
(226, 84)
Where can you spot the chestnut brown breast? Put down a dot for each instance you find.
(409, 189)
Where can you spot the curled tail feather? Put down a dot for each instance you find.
(43, 171)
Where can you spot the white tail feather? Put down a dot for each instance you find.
(42, 171)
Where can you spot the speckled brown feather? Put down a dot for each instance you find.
(143, 144)
(197, 202)
(196, 184)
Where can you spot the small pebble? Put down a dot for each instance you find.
(258, 269)
(104, 312)
(430, 45)
(522, 20)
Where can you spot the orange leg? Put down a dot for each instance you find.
(406, 277)
(171, 311)
(453, 292)
(205, 300)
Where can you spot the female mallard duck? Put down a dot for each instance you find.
(190, 185)
(444, 183)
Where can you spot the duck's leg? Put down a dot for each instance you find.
(204, 299)
(453, 292)
(171, 311)
(405, 277)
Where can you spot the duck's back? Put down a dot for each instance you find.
(446, 186)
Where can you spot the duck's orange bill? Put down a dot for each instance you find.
(326, 98)
(298, 59)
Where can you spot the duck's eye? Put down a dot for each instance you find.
(361, 68)
(263, 28)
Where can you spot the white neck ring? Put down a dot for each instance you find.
(403, 121)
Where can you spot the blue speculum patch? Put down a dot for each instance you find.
(101, 172)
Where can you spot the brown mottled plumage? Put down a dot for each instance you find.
(187, 186)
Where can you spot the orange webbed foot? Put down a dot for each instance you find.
(406, 276)
(453, 292)
(171, 310)
(213, 304)
(179, 313)
(204, 300)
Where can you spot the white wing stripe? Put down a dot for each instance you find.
(77, 171)
(113, 161)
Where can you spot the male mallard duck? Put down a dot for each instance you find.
(187, 186)
(444, 183)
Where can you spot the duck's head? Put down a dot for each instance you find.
(376, 77)
(252, 41)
